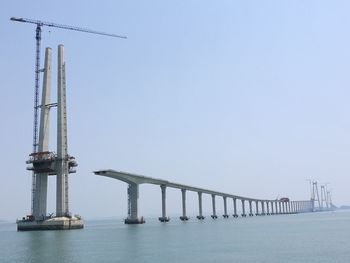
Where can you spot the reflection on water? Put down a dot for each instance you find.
(46, 246)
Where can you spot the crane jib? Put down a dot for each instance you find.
(74, 28)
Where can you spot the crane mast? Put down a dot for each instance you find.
(39, 24)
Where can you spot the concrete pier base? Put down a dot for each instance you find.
(134, 221)
(55, 223)
(214, 216)
(235, 215)
(225, 216)
(200, 217)
(184, 218)
(164, 219)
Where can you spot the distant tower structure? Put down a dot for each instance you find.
(315, 194)
(44, 162)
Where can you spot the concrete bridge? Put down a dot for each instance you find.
(262, 206)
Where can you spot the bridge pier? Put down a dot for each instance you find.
(257, 208)
(213, 216)
(285, 208)
(262, 208)
(267, 208)
(225, 215)
(243, 208)
(293, 207)
(235, 207)
(289, 208)
(281, 204)
(200, 216)
(279, 207)
(184, 217)
(133, 195)
(163, 218)
(272, 211)
(250, 208)
(276, 206)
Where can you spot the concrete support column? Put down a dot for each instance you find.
(250, 208)
(289, 210)
(163, 218)
(267, 208)
(276, 206)
(262, 208)
(184, 216)
(235, 207)
(257, 208)
(280, 208)
(243, 209)
(285, 207)
(133, 195)
(272, 210)
(214, 216)
(200, 216)
(225, 215)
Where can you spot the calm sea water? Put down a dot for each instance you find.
(317, 237)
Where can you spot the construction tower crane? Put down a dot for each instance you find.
(39, 24)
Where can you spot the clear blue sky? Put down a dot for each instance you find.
(245, 97)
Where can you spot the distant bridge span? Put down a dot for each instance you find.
(282, 206)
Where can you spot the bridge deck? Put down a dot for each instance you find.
(140, 179)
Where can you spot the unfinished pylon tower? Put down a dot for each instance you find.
(44, 163)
